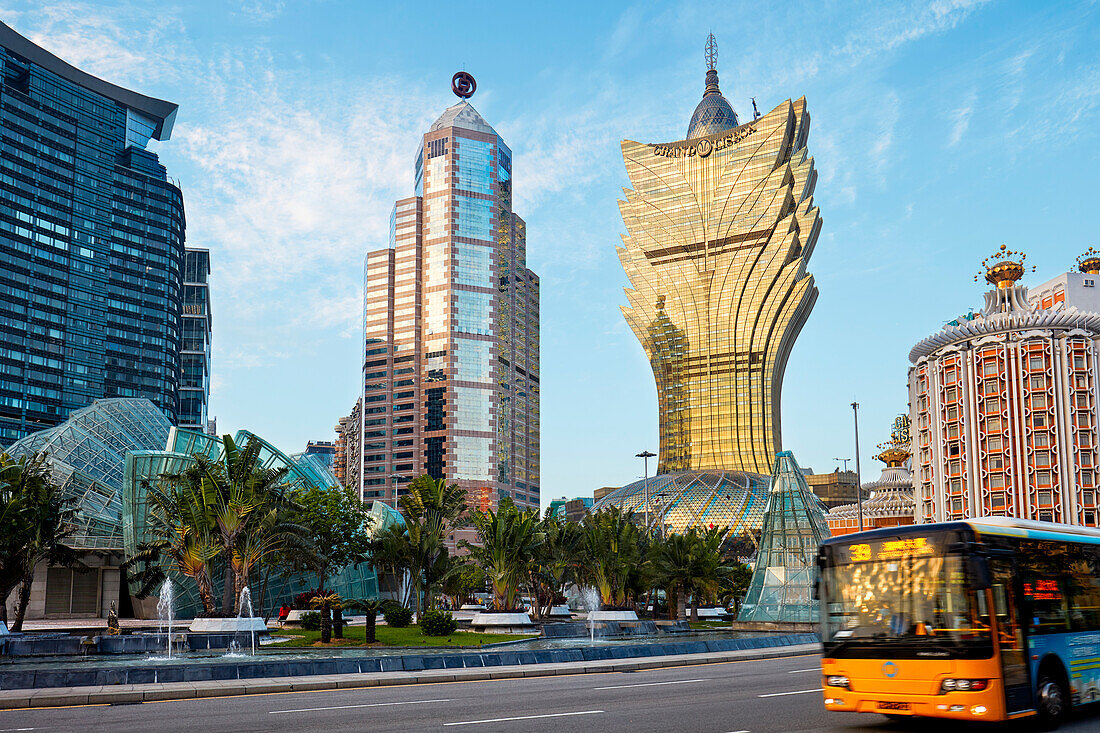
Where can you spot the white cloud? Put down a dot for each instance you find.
(960, 119)
(261, 10)
(91, 38)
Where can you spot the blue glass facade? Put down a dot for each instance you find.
(91, 246)
(196, 323)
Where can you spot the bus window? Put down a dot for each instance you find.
(1043, 565)
(1084, 590)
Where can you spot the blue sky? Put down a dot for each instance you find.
(940, 130)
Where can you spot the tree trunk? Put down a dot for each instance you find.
(326, 625)
(24, 599)
(263, 592)
(694, 607)
(228, 604)
(206, 592)
(337, 623)
(681, 606)
(671, 601)
(368, 630)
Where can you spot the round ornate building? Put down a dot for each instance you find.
(890, 500)
(1004, 407)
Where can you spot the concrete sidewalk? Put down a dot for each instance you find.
(129, 694)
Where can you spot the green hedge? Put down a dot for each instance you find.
(437, 623)
(398, 617)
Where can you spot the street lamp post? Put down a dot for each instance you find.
(844, 461)
(645, 456)
(664, 510)
(859, 488)
(395, 478)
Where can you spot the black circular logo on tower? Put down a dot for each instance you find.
(463, 85)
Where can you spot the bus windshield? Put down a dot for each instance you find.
(902, 597)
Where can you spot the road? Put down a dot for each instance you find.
(757, 696)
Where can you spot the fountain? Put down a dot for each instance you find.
(245, 603)
(165, 611)
(591, 599)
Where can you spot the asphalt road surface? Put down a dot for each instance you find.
(756, 696)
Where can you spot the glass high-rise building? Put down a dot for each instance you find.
(720, 226)
(451, 329)
(196, 325)
(92, 251)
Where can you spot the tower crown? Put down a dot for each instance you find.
(1089, 262)
(896, 451)
(1002, 269)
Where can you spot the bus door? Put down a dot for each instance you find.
(1010, 636)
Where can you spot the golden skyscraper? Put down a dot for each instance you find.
(720, 226)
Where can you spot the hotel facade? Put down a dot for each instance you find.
(1004, 406)
(720, 226)
(99, 297)
(451, 328)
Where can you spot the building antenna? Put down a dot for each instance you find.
(712, 53)
(755, 111)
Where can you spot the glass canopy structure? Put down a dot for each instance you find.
(145, 467)
(87, 454)
(794, 527)
(700, 499)
(105, 456)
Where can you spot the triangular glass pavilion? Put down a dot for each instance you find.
(794, 527)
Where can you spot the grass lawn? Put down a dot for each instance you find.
(388, 636)
(709, 624)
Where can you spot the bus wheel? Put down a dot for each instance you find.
(1052, 701)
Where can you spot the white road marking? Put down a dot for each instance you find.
(795, 692)
(348, 707)
(526, 717)
(738, 731)
(651, 684)
(811, 669)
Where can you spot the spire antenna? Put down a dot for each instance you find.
(712, 53)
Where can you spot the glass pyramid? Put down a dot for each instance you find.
(794, 527)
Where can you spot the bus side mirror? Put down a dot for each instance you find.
(979, 572)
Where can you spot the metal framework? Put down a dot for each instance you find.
(794, 527)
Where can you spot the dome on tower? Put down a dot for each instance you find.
(714, 113)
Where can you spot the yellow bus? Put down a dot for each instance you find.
(987, 619)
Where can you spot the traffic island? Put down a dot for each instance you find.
(107, 694)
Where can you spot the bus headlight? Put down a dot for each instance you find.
(838, 680)
(963, 685)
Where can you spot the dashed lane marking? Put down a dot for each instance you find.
(526, 717)
(348, 707)
(793, 692)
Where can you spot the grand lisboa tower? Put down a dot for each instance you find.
(720, 226)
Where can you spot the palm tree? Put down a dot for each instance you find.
(390, 552)
(430, 508)
(326, 603)
(233, 509)
(371, 607)
(556, 562)
(507, 540)
(177, 523)
(690, 564)
(35, 521)
(674, 564)
(612, 552)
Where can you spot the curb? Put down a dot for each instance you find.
(133, 694)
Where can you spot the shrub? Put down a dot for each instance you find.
(398, 617)
(301, 601)
(311, 621)
(437, 623)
